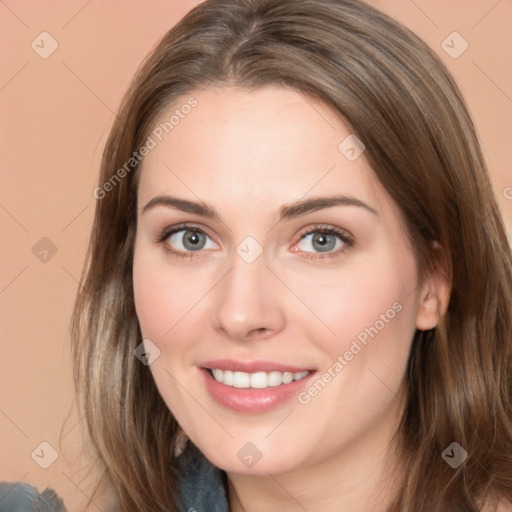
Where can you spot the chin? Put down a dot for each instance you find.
(250, 458)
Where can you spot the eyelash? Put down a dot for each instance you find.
(344, 236)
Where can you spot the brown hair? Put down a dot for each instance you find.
(401, 101)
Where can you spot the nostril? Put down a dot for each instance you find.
(257, 332)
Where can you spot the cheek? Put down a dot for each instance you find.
(161, 303)
(162, 295)
(365, 305)
(152, 301)
(371, 310)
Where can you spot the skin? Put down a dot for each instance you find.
(247, 154)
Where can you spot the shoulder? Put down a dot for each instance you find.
(23, 497)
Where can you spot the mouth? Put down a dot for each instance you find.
(257, 380)
(253, 387)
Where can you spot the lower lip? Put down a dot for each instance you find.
(252, 400)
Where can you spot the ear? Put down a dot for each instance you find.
(435, 293)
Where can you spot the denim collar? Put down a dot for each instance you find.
(202, 486)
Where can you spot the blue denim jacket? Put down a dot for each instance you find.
(22, 497)
(203, 488)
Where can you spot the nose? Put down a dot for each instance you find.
(248, 301)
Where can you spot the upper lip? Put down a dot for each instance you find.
(251, 366)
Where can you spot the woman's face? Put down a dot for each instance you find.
(293, 265)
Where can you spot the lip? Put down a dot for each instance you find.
(249, 400)
(252, 366)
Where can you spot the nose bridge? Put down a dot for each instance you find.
(247, 301)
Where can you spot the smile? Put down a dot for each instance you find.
(253, 386)
(258, 380)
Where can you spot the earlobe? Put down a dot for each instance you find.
(435, 295)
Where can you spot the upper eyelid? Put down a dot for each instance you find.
(196, 227)
(185, 226)
(171, 230)
(325, 227)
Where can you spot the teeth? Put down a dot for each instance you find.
(275, 379)
(241, 380)
(227, 377)
(258, 380)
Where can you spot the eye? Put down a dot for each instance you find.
(320, 241)
(184, 240)
(327, 241)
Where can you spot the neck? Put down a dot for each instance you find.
(360, 477)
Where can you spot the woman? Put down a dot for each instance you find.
(298, 288)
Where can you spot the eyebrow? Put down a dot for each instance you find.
(286, 212)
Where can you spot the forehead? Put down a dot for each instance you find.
(253, 148)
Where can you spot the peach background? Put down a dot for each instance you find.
(55, 116)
